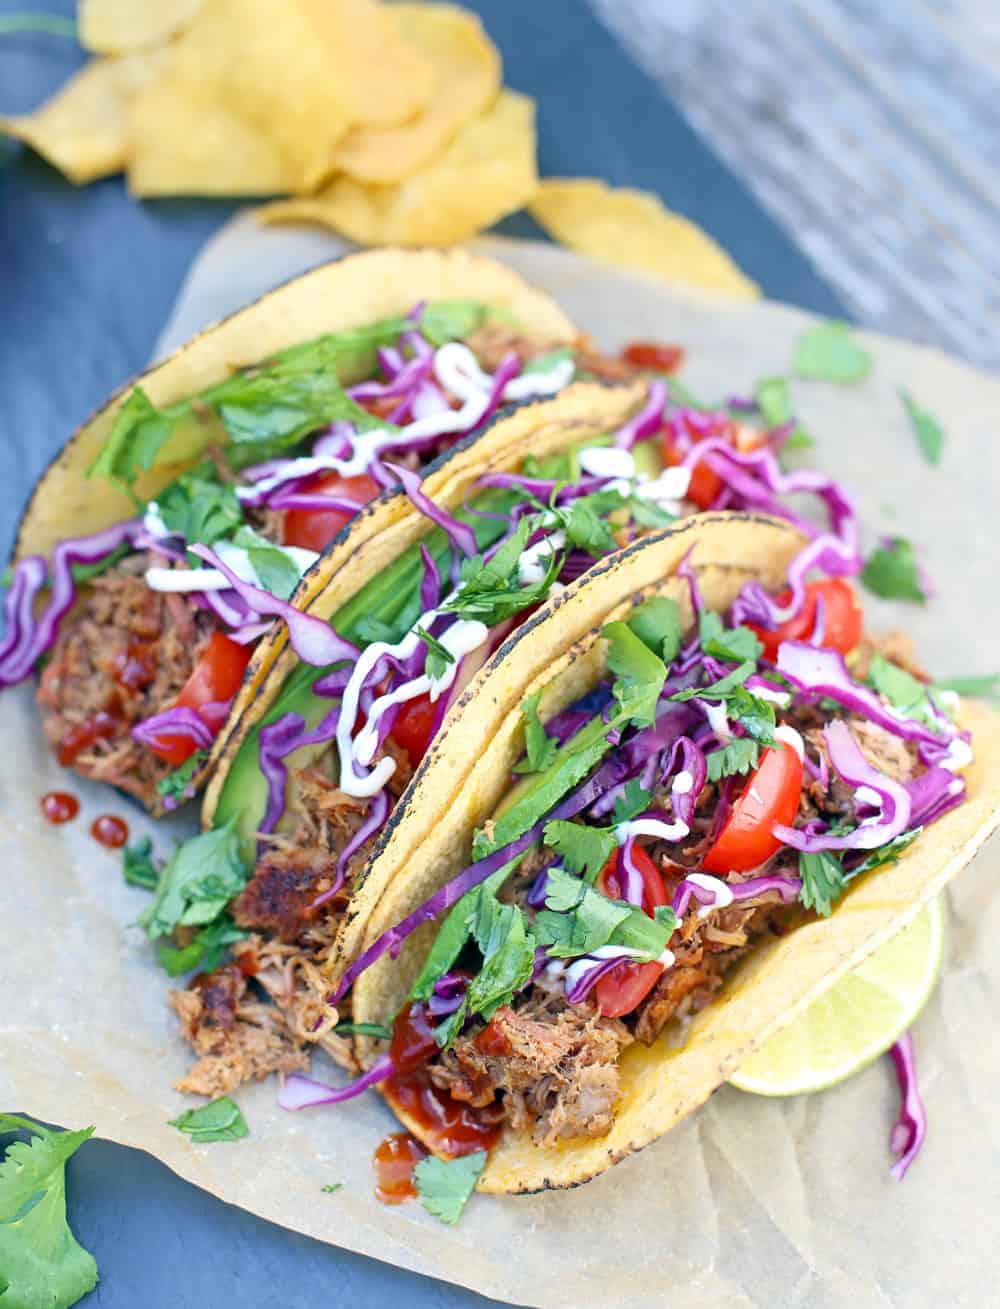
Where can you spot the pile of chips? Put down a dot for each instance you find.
(387, 122)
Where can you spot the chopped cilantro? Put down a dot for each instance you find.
(634, 800)
(438, 656)
(178, 785)
(41, 1262)
(445, 1185)
(775, 405)
(199, 507)
(647, 513)
(892, 572)
(583, 849)
(903, 691)
(331, 1188)
(657, 623)
(199, 880)
(377, 1030)
(276, 570)
(492, 591)
(204, 951)
(739, 756)
(823, 881)
(829, 353)
(926, 428)
(733, 643)
(539, 748)
(885, 854)
(86, 572)
(578, 920)
(219, 1120)
(723, 689)
(640, 674)
(138, 867)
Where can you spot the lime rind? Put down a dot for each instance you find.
(857, 1020)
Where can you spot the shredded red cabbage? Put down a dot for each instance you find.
(301, 1092)
(629, 877)
(461, 535)
(910, 1129)
(647, 420)
(932, 794)
(580, 988)
(374, 820)
(275, 743)
(312, 639)
(177, 724)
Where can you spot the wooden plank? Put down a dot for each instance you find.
(872, 132)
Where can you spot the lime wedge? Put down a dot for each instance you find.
(857, 1020)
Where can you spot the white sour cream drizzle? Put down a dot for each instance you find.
(534, 562)
(651, 827)
(210, 579)
(781, 698)
(153, 522)
(717, 720)
(667, 489)
(789, 735)
(959, 755)
(458, 371)
(723, 894)
(682, 783)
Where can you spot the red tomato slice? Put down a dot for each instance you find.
(771, 796)
(216, 677)
(412, 729)
(625, 987)
(657, 358)
(843, 620)
(705, 483)
(654, 893)
(314, 529)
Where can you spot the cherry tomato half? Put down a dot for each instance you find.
(654, 893)
(842, 619)
(314, 529)
(627, 984)
(650, 354)
(216, 678)
(412, 729)
(706, 484)
(771, 796)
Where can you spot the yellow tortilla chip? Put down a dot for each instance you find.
(303, 72)
(111, 27)
(633, 229)
(467, 76)
(83, 129)
(184, 144)
(486, 172)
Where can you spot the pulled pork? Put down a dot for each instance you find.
(556, 1066)
(122, 656)
(492, 342)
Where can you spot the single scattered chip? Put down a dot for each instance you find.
(111, 27)
(303, 72)
(83, 129)
(633, 229)
(185, 144)
(467, 75)
(486, 172)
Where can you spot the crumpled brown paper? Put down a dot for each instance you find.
(751, 1202)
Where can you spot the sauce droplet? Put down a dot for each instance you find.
(394, 1161)
(109, 831)
(59, 806)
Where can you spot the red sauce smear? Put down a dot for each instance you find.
(59, 806)
(109, 831)
(394, 1161)
(447, 1126)
(135, 666)
(99, 728)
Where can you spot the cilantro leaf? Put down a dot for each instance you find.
(639, 673)
(455, 931)
(829, 353)
(823, 881)
(657, 624)
(633, 800)
(733, 643)
(578, 920)
(178, 785)
(445, 1185)
(200, 879)
(438, 655)
(540, 749)
(219, 1120)
(647, 513)
(205, 949)
(508, 950)
(41, 1262)
(739, 756)
(885, 854)
(586, 530)
(331, 1188)
(451, 320)
(583, 849)
(276, 571)
(138, 867)
(754, 714)
(775, 405)
(723, 688)
(492, 591)
(892, 572)
(928, 431)
(376, 1030)
(200, 507)
(903, 691)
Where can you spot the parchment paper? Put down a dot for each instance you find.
(751, 1201)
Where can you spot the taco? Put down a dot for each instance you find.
(679, 803)
(313, 776)
(261, 440)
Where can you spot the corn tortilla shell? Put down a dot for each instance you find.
(661, 1083)
(110, 27)
(633, 229)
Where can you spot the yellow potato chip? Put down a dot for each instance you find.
(487, 171)
(304, 72)
(634, 230)
(83, 129)
(111, 27)
(467, 75)
(184, 144)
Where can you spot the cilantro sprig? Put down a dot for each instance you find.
(445, 1185)
(540, 750)
(219, 1120)
(829, 353)
(892, 571)
(439, 657)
